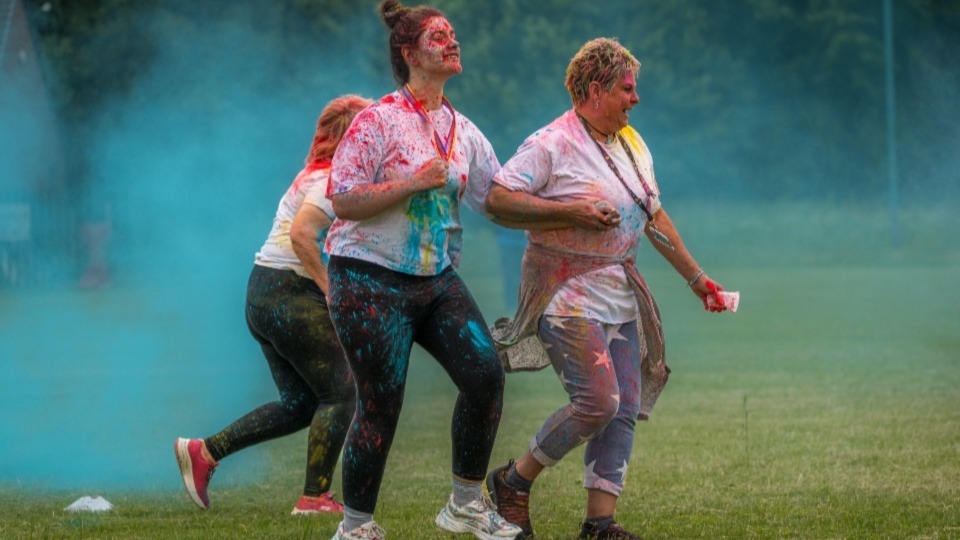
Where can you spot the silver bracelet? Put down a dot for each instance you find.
(694, 278)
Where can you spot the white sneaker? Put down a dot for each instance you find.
(480, 517)
(368, 531)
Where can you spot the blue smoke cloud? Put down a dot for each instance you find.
(186, 169)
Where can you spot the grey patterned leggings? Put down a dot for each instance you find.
(599, 367)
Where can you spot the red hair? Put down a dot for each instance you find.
(332, 124)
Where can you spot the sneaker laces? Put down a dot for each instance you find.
(372, 530)
(327, 501)
(485, 506)
(212, 467)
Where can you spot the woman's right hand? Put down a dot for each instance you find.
(593, 214)
(431, 175)
(368, 200)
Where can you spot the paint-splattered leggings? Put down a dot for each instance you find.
(287, 314)
(599, 367)
(379, 314)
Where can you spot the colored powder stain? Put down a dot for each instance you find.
(463, 186)
(397, 340)
(478, 336)
(428, 213)
(318, 454)
(283, 238)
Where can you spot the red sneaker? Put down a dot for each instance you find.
(195, 470)
(324, 504)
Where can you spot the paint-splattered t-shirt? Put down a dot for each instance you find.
(309, 187)
(561, 162)
(390, 141)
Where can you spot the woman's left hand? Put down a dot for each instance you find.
(708, 292)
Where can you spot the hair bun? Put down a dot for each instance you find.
(391, 12)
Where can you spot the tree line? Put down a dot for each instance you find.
(746, 98)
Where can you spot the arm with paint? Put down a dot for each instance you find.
(681, 259)
(528, 225)
(513, 196)
(305, 231)
(357, 189)
(369, 200)
(528, 211)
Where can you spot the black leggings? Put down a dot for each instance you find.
(379, 314)
(287, 314)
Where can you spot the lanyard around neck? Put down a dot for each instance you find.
(616, 171)
(444, 147)
(643, 183)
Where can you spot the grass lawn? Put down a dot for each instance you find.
(827, 407)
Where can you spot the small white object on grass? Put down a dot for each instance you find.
(90, 504)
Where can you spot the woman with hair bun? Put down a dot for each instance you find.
(399, 177)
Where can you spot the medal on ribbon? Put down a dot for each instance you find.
(443, 146)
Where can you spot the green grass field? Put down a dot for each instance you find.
(827, 407)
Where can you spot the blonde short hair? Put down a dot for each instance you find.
(601, 60)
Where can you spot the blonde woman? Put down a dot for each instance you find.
(581, 296)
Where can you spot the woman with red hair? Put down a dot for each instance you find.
(287, 314)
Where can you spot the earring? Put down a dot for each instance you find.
(596, 104)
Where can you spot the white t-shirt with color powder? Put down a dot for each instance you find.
(309, 187)
(561, 162)
(390, 140)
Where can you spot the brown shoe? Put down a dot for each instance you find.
(512, 504)
(613, 531)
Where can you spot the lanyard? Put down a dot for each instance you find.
(443, 147)
(659, 236)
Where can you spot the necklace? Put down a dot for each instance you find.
(608, 137)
